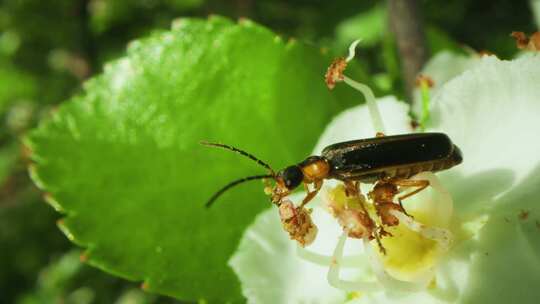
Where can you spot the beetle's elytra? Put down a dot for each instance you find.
(401, 156)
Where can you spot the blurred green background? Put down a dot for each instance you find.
(48, 48)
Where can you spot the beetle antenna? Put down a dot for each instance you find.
(241, 152)
(232, 184)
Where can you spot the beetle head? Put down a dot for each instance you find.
(290, 177)
(286, 181)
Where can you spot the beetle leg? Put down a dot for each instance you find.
(352, 188)
(440, 235)
(311, 194)
(421, 184)
(378, 235)
(306, 188)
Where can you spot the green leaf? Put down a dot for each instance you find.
(123, 160)
(438, 41)
(370, 26)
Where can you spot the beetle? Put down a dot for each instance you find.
(392, 159)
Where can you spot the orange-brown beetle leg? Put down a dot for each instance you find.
(421, 184)
(352, 188)
(311, 194)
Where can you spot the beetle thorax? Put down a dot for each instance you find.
(315, 168)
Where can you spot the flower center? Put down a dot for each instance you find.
(402, 253)
(410, 255)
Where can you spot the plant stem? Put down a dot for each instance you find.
(406, 24)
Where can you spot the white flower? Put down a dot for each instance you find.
(492, 112)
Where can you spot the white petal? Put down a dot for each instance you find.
(442, 68)
(270, 270)
(355, 123)
(447, 65)
(492, 112)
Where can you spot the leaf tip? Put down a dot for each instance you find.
(26, 147)
(83, 257)
(178, 23)
(245, 22)
(291, 43)
(62, 226)
(49, 199)
(131, 46)
(32, 171)
(145, 286)
(214, 17)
